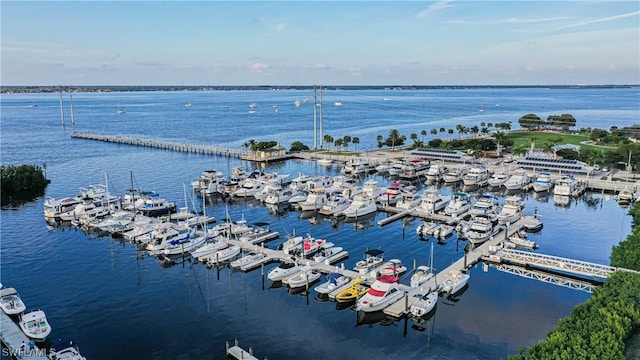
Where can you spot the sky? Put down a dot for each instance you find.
(301, 43)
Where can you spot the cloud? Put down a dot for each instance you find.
(259, 67)
(595, 21)
(280, 27)
(435, 7)
(510, 21)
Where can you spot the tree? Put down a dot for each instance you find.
(345, 141)
(519, 150)
(356, 141)
(531, 121)
(379, 138)
(532, 140)
(338, 144)
(251, 144)
(475, 130)
(329, 140)
(460, 130)
(423, 133)
(298, 146)
(395, 139)
(434, 132)
(442, 130)
(450, 131)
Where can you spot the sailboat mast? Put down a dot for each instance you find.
(315, 102)
(61, 107)
(320, 114)
(73, 119)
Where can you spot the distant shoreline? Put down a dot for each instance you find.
(132, 88)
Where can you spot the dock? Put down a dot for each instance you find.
(12, 338)
(238, 353)
(401, 213)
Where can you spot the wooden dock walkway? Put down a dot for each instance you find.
(12, 338)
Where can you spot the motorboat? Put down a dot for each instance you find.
(208, 182)
(298, 198)
(223, 255)
(316, 199)
(426, 228)
(392, 267)
(282, 271)
(257, 230)
(433, 201)
(392, 194)
(141, 225)
(565, 185)
(421, 275)
(498, 178)
(512, 210)
(65, 350)
(409, 200)
(372, 260)
(625, 196)
(324, 161)
(372, 188)
(325, 254)
(280, 195)
(353, 292)
(247, 259)
(455, 281)
(460, 203)
(486, 204)
(165, 235)
(335, 206)
(334, 281)
(361, 205)
(443, 230)
(520, 239)
(455, 174)
(383, 292)
(309, 246)
(305, 277)
(249, 188)
(481, 229)
(291, 243)
(154, 205)
(34, 324)
(435, 173)
(54, 207)
(517, 180)
(422, 304)
(477, 175)
(87, 208)
(415, 169)
(10, 301)
(543, 182)
(183, 246)
(210, 247)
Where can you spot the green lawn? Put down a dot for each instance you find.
(524, 136)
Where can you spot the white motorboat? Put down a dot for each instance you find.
(415, 169)
(435, 173)
(141, 225)
(486, 204)
(409, 200)
(282, 271)
(223, 255)
(565, 185)
(383, 292)
(426, 228)
(208, 181)
(54, 207)
(86, 208)
(248, 188)
(361, 205)
(326, 253)
(517, 180)
(247, 259)
(372, 260)
(183, 246)
(455, 281)
(154, 205)
(455, 174)
(481, 229)
(392, 267)
(421, 275)
(280, 196)
(625, 196)
(512, 210)
(423, 303)
(334, 281)
(306, 276)
(65, 350)
(325, 161)
(543, 182)
(10, 301)
(316, 199)
(460, 203)
(34, 324)
(392, 194)
(520, 239)
(443, 230)
(498, 178)
(372, 188)
(433, 201)
(298, 198)
(309, 246)
(210, 247)
(477, 175)
(165, 235)
(335, 206)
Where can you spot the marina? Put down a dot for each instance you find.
(249, 308)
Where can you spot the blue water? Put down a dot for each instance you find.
(117, 303)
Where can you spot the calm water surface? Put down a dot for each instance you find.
(119, 303)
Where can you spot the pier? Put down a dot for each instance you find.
(12, 338)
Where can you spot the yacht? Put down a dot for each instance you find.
(416, 169)
(421, 275)
(478, 176)
(334, 281)
(10, 301)
(565, 185)
(249, 188)
(432, 201)
(392, 194)
(498, 178)
(372, 188)
(487, 204)
(222, 255)
(282, 271)
(455, 281)
(335, 206)
(455, 174)
(208, 181)
(409, 200)
(517, 180)
(435, 173)
(480, 229)
(512, 210)
(305, 277)
(372, 260)
(316, 199)
(543, 182)
(361, 205)
(154, 205)
(279, 195)
(34, 324)
(383, 292)
(459, 204)
(54, 207)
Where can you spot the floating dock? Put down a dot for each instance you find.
(236, 352)
(12, 338)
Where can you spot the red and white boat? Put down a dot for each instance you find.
(384, 292)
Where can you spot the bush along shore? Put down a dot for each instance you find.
(607, 326)
(22, 183)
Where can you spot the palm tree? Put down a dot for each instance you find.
(475, 130)
(250, 144)
(338, 144)
(345, 141)
(329, 140)
(519, 150)
(423, 133)
(450, 131)
(379, 138)
(442, 130)
(434, 132)
(500, 137)
(532, 140)
(356, 141)
(460, 130)
(394, 137)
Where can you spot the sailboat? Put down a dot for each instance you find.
(424, 303)
(120, 110)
